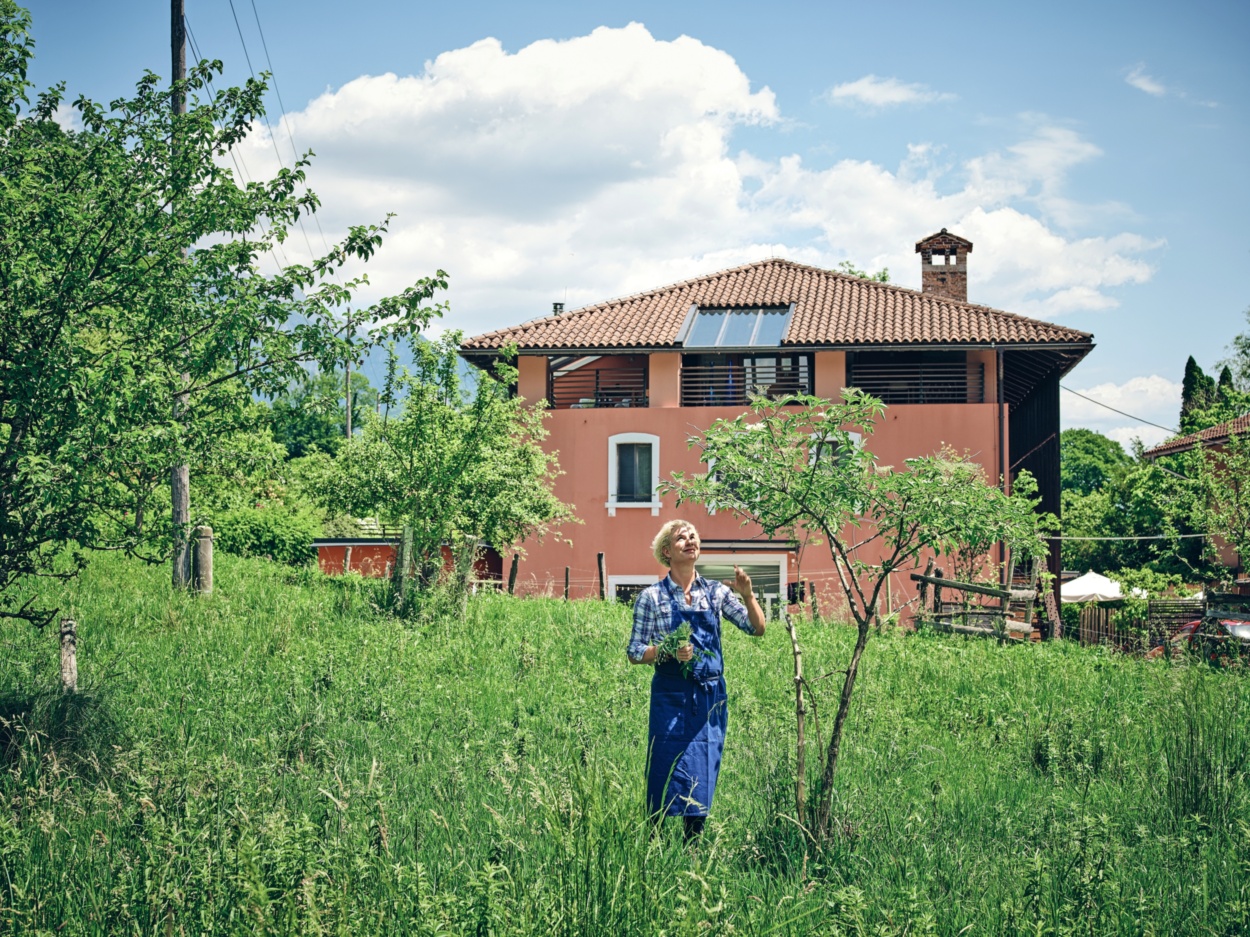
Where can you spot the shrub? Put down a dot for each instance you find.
(272, 530)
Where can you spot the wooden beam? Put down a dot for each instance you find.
(963, 586)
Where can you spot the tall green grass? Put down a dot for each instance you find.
(283, 758)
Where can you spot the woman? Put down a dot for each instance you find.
(688, 702)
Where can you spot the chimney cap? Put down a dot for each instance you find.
(557, 309)
(944, 239)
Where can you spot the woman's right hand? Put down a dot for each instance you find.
(685, 652)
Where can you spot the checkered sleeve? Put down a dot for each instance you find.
(648, 624)
(731, 607)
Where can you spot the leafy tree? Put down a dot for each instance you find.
(1238, 360)
(136, 324)
(1143, 502)
(1088, 461)
(848, 268)
(455, 466)
(1224, 496)
(311, 414)
(792, 466)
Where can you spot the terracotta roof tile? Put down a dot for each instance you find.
(1212, 434)
(829, 309)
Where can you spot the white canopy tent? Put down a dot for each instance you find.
(1092, 587)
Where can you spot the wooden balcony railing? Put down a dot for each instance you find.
(726, 385)
(936, 382)
(593, 387)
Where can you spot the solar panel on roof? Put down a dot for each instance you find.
(756, 327)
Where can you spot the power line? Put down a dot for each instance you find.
(290, 135)
(312, 255)
(1121, 412)
(240, 163)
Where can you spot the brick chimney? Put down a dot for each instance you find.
(944, 265)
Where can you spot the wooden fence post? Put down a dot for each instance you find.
(516, 558)
(924, 586)
(603, 578)
(69, 655)
(938, 573)
(566, 583)
(202, 560)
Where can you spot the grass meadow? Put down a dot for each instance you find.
(284, 758)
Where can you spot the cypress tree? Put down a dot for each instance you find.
(1197, 389)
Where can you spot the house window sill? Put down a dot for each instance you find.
(653, 505)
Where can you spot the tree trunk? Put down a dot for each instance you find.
(464, 557)
(835, 740)
(800, 711)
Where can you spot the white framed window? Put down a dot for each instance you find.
(633, 472)
(626, 588)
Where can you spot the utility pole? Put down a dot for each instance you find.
(347, 368)
(180, 475)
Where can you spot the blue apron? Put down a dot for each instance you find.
(689, 715)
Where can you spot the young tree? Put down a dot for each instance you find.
(792, 466)
(136, 317)
(455, 467)
(1219, 501)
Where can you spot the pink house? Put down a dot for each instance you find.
(629, 380)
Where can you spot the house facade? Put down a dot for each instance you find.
(629, 381)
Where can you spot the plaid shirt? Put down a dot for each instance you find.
(653, 614)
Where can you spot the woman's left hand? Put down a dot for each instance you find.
(742, 582)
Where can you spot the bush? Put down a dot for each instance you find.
(273, 531)
(1070, 614)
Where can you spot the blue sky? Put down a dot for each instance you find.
(1094, 153)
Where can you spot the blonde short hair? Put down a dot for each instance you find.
(664, 539)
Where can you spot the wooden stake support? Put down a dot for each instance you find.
(202, 560)
(69, 655)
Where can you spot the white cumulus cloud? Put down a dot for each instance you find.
(1155, 399)
(873, 92)
(592, 167)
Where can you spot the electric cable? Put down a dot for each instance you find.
(240, 163)
(1121, 412)
(312, 255)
